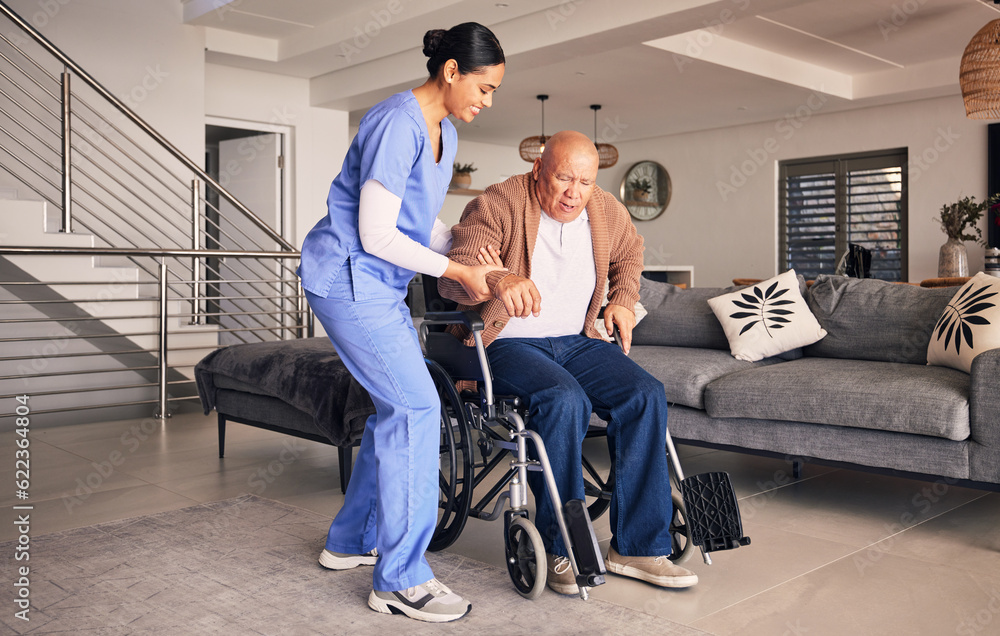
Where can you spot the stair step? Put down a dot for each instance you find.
(33, 232)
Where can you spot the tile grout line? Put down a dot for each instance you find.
(840, 558)
(799, 480)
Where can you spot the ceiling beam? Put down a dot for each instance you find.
(241, 44)
(709, 46)
(548, 35)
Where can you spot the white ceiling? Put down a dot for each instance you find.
(657, 67)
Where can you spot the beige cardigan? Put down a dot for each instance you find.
(507, 216)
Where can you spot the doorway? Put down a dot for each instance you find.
(248, 160)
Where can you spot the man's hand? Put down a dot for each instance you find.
(519, 296)
(624, 319)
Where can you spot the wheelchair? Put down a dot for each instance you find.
(706, 511)
(481, 430)
(498, 424)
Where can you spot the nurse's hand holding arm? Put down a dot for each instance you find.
(380, 236)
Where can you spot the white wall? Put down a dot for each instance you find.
(723, 215)
(493, 164)
(139, 50)
(319, 135)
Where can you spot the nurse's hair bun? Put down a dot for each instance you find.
(432, 40)
(470, 44)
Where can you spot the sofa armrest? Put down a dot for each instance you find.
(984, 399)
(984, 417)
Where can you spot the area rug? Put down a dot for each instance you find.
(248, 566)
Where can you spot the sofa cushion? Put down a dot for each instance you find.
(869, 319)
(886, 396)
(766, 319)
(968, 326)
(678, 317)
(685, 372)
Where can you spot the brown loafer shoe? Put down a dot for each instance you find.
(656, 570)
(560, 577)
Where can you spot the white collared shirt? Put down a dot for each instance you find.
(563, 270)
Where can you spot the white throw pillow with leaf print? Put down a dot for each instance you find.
(767, 318)
(968, 326)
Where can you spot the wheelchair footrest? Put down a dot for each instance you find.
(586, 552)
(713, 514)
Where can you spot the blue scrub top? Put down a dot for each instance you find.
(392, 147)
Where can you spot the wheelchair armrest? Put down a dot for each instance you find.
(470, 319)
(615, 333)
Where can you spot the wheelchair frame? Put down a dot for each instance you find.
(525, 553)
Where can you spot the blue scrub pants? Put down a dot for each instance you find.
(392, 498)
(562, 380)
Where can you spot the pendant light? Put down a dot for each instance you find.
(531, 147)
(979, 73)
(607, 153)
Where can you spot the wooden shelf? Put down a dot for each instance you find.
(673, 274)
(465, 191)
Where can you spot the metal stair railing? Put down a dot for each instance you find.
(73, 343)
(109, 174)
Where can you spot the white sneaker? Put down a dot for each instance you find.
(431, 601)
(338, 561)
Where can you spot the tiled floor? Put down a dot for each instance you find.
(835, 552)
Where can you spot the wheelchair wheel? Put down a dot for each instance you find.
(680, 533)
(455, 473)
(526, 558)
(597, 489)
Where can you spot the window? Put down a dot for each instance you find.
(825, 203)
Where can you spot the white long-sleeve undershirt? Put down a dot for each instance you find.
(377, 218)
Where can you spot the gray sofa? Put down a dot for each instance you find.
(862, 397)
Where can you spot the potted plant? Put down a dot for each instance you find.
(960, 222)
(462, 175)
(641, 188)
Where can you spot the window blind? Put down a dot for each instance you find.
(827, 203)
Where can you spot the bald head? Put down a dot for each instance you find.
(570, 144)
(565, 175)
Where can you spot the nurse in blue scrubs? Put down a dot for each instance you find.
(357, 261)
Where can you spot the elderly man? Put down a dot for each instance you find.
(561, 238)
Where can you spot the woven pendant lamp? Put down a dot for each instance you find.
(980, 73)
(531, 147)
(607, 153)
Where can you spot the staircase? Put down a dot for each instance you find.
(118, 268)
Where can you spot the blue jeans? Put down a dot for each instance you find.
(561, 380)
(391, 500)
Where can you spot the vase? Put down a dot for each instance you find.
(953, 259)
(461, 181)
